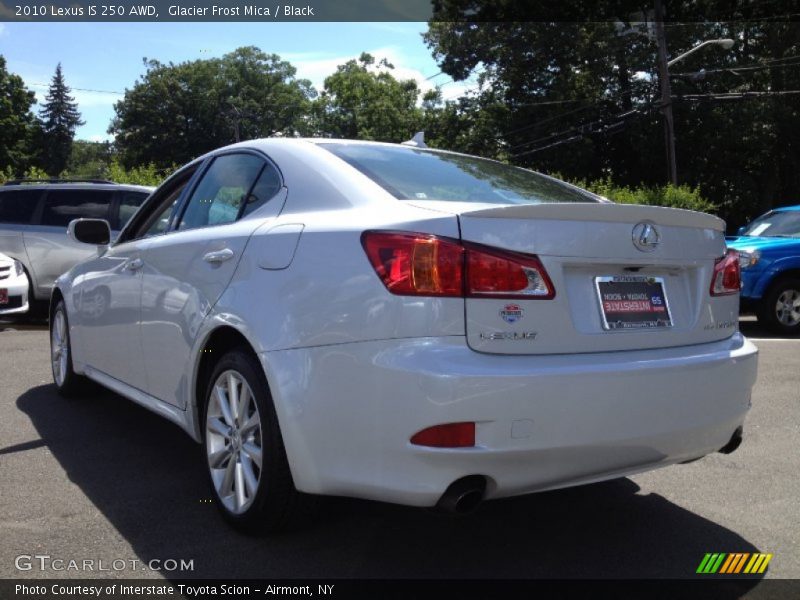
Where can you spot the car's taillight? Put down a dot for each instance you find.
(415, 264)
(418, 264)
(727, 278)
(499, 273)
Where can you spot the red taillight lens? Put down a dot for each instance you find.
(498, 273)
(451, 435)
(418, 264)
(415, 264)
(727, 278)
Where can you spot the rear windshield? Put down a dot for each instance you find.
(415, 174)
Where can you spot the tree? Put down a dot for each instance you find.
(176, 112)
(363, 100)
(582, 96)
(17, 122)
(60, 118)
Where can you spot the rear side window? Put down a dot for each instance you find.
(129, 203)
(221, 192)
(268, 184)
(18, 206)
(61, 206)
(415, 174)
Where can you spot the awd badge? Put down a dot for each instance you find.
(511, 313)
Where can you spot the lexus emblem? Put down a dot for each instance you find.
(645, 236)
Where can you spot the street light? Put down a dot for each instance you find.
(725, 43)
(666, 91)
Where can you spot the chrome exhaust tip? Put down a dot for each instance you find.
(463, 495)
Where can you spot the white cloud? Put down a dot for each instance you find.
(2, 30)
(316, 67)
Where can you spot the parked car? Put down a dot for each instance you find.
(34, 215)
(769, 254)
(13, 287)
(408, 325)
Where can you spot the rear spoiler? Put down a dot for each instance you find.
(579, 211)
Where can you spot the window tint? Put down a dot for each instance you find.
(61, 206)
(268, 184)
(413, 174)
(222, 190)
(17, 206)
(129, 203)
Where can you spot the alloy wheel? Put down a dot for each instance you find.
(234, 441)
(787, 308)
(59, 347)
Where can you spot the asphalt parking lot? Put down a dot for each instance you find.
(102, 479)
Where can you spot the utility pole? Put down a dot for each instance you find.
(666, 93)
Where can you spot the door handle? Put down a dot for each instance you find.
(220, 256)
(134, 264)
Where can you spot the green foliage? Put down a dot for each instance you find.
(36, 173)
(681, 196)
(363, 100)
(176, 112)
(581, 98)
(60, 118)
(17, 122)
(148, 174)
(89, 159)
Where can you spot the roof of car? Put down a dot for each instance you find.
(60, 184)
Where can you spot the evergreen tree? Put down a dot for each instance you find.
(60, 118)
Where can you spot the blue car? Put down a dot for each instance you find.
(769, 254)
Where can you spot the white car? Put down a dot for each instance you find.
(407, 325)
(13, 287)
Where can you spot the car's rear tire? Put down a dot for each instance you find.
(69, 383)
(779, 309)
(245, 456)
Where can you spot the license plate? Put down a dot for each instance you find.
(633, 302)
(3, 296)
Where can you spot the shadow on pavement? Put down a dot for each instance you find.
(147, 478)
(751, 328)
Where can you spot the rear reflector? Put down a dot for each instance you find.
(451, 435)
(418, 264)
(727, 278)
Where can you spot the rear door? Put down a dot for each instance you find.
(50, 250)
(186, 271)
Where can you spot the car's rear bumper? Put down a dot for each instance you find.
(347, 413)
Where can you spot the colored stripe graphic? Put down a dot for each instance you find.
(733, 563)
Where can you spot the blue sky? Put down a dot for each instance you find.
(107, 57)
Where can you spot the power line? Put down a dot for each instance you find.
(44, 85)
(760, 67)
(736, 95)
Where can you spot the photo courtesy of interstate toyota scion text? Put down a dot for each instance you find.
(390, 322)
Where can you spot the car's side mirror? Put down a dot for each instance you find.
(96, 232)
(741, 229)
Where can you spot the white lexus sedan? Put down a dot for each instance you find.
(407, 325)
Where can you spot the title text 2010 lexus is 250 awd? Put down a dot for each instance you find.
(407, 325)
